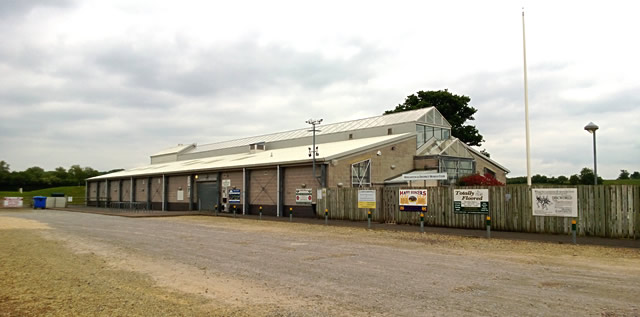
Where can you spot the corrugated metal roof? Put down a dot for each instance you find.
(173, 150)
(292, 155)
(378, 121)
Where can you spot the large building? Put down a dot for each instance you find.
(267, 171)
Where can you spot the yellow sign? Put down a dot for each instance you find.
(367, 199)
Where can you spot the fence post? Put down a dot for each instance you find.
(326, 216)
(488, 227)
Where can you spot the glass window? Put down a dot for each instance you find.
(445, 134)
(361, 174)
(420, 134)
(437, 132)
(428, 133)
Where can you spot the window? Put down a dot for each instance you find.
(488, 171)
(350, 136)
(456, 168)
(445, 134)
(361, 174)
(420, 135)
(428, 133)
(390, 131)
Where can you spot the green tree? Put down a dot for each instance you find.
(635, 175)
(454, 108)
(624, 174)
(574, 179)
(587, 176)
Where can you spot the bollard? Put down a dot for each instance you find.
(260, 213)
(573, 231)
(216, 208)
(488, 227)
(369, 218)
(422, 222)
(290, 214)
(326, 217)
(234, 211)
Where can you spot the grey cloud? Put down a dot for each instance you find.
(10, 8)
(242, 67)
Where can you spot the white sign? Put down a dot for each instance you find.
(226, 183)
(303, 196)
(12, 202)
(69, 199)
(559, 202)
(366, 199)
(180, 195)
(424, 176)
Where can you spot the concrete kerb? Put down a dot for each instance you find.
(473, 233)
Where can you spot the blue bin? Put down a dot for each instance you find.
(39, 202)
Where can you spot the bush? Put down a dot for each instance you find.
(479, 180)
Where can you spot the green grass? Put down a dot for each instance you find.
(622, 181)
(77, 192)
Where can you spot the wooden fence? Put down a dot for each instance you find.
(611, 211)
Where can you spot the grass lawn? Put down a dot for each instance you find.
(622, 181)
(77, 192)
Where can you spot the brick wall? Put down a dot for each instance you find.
(395, 160)
(294, 177)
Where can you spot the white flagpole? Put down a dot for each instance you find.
(526, 102)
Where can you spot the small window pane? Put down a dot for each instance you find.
(428, 134)
(445, 134)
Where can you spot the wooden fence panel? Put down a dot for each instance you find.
(603, 210)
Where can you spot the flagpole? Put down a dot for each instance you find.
(526, 102)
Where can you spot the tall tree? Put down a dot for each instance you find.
(624, 174)
(454, 108)
(635, 175)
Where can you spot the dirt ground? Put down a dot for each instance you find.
(64, 263)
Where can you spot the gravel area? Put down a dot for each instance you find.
(67, 263)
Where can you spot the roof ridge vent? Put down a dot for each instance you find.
(257, 147)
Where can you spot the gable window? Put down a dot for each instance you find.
(361, 174)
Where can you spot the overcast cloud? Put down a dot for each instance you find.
(107, 83)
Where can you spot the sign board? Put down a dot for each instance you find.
(413, 199)
(69, 199)
(226, 183)
(12, 202)
(303, 196)
(559, 202)
(367, 199)
(471, 201)
(180, 195)
(424, 176)
(234, 196)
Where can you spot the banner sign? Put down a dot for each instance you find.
(427, 176)
(303, 196)
(12, 202)
(413, 199)
(471, 201)
(367, 199)
(559, 202)
(234, 196)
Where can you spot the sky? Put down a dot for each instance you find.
(105, 84)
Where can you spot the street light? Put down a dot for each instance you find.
(592, 127)
(314, 149)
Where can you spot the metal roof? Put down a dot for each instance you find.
(372, 122)
(292, 155)
(174, 150)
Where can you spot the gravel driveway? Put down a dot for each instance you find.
(225, 266)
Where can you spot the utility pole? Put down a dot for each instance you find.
(313, 151)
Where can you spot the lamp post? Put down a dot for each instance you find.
(314, 150)
(592, 127)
